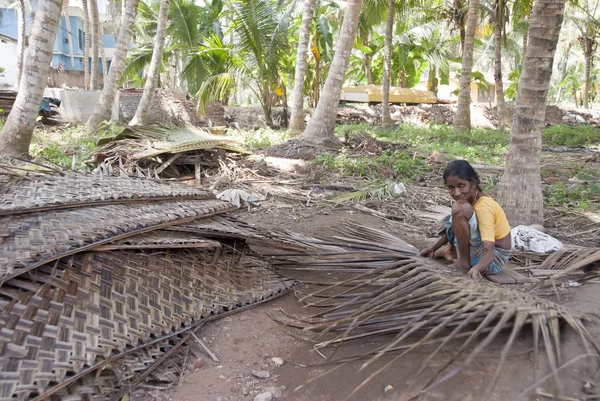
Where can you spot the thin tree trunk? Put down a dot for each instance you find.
(459, 22)
(402, 82)
(297, 119)
(86, 44)
(109, 92)
(96, 43)
(104, 64)
(18, 128)
(20, 40)
(141, 114)
(588, 51)
(432, 80)
(520, 189)
(367, 60)
(462, 120)
(70, 35)
(386, 119)
(498, 24)
(115, 13)
(320, 128)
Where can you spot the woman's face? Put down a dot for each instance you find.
(460, 189)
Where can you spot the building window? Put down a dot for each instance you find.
(80, 38)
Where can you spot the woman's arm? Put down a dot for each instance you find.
(486, 260)
(430, 250)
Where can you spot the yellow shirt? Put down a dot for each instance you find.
(491, 219)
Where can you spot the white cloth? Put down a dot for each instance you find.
(239, 197)
(526, 238)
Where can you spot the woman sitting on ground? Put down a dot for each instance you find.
(478, 227)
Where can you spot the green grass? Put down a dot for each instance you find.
(564, 135)
(388, 164)
(58, 147)
(583, 197)
(480, 146)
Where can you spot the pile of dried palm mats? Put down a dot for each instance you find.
(94, 293)
(374, 285)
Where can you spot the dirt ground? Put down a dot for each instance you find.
(247, 342)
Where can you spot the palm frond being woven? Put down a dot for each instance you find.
(30, 240)
(568, 260)
(60, 325)
(53, 191)
(419, 302)
(163, 139)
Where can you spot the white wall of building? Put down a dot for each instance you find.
(8, 61)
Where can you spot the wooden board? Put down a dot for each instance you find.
(509, 276)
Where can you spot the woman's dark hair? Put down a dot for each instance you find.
(463, 170)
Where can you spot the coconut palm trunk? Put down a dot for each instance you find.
(96, 43)
(70, 35)
(18, 129)
(386, 119)
(520, 189)
(141, 114)
(319, 131)
(109, 92)
(588, 52)
(86, 44)
(462, 120)
(20, 40)
(297, 119)
(367, 60)
(498, 29)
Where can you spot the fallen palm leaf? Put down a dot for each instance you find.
(163, 139)
(420, 302)
(378, 191)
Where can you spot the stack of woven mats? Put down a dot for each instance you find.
(95, 292)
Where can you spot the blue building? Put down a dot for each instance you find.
(61, 58)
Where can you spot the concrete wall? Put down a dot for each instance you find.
(70, 79)
(76, 106)
(8, 61)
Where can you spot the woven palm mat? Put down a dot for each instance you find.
(412, 301)
(30, 240)
(73, 315)
(66, 190)
(160, 239)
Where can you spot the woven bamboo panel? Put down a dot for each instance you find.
(221, 226)
(161, 239)
(32, 239)
(52, 191)
(75, 314)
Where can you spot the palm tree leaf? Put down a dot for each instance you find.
(402, 294)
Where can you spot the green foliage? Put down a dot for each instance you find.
(564, 135)
(514, 77)
(583, 197)
(59, 147)
(388, 164)
(1, 120)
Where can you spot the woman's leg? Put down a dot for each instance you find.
(461, 214)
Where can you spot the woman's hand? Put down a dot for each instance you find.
(427, 252)
(474, 273)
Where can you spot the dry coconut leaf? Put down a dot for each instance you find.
(415, 300)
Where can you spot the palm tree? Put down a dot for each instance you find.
(500, 21)
(297, 119)
(141, 114)
(21, 39)
(96, 43)
(86, 44)
(386, 119)
(462, 120)
(109, 92)
(520, 189)
(18, 128)
(319, 131)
